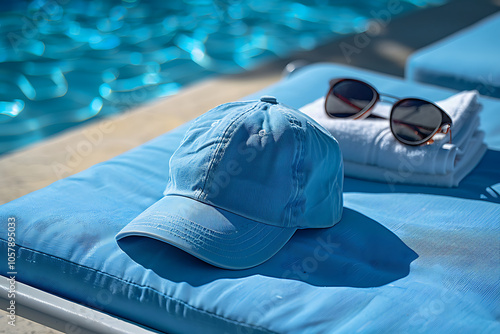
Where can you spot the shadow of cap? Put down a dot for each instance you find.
(356, 252)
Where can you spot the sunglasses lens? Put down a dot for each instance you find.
(414, 121)
(349, 98)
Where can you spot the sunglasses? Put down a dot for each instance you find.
(413, 121)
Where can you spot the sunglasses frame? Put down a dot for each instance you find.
(444, 127)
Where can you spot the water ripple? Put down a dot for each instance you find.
(66, 62)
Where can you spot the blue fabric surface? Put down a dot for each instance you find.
(466, 60)
(402, 259)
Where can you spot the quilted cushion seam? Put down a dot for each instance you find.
(210, 314)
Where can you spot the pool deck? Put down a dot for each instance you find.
(77, 149)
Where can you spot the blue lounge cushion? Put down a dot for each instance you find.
(466, 60)
(402, 259)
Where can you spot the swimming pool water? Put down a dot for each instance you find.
(64, 62)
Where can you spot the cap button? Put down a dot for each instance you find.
(269, 99)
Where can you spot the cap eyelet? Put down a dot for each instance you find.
(269, 99)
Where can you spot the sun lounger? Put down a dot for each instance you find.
(466, 60)
(403, 258)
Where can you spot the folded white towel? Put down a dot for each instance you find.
(408, 174)
(369, 147)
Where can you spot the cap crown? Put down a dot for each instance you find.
(263, 161)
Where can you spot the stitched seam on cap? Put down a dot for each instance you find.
(296, 125)
(198, 192)
(160, 219)
(221, 147)
(210, 245)
(298, 175)
(184, 139)
(222, 252)
(300, 169)
(230, 211)
(300, 172)
(203, 241)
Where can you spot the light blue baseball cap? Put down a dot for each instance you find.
(245, 177)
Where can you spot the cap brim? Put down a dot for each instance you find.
(213, 235)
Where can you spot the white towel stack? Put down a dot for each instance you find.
(371, 152)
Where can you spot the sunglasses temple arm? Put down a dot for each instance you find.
(390, 96)
(377, 116)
